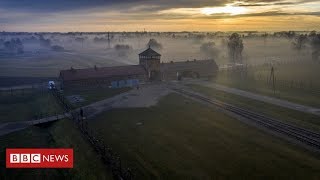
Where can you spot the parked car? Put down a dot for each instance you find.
(51, 85)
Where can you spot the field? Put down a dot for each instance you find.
(296, 81)
(182, 139)
(20, 81)
(301, 119)
(63, 133)
(178, 138)
(28, 104)
(38, 61)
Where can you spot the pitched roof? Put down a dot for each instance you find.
(198, 65)
(104, 72)
(149, 52)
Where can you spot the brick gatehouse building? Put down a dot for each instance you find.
(149, 69)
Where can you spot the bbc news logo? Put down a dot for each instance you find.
(39, 158)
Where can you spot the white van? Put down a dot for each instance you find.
(51, 85)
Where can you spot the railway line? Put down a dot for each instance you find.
(299, 134)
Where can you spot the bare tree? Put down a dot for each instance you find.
(235, 47)
(300, 42)
(315, 43)
(122, 49)
(14, 46)
(265, 38)
(44, 42)
(154, 44)
(209, 49)
(313, 34)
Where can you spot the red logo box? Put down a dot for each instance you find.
(39, 158)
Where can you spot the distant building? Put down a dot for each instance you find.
(105, 76)
(149, 69)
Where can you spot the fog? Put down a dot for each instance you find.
(46, 54)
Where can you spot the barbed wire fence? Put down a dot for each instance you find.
(308, 86)
(42, 115)
(108, 156)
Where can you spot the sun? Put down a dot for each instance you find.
(228, 9)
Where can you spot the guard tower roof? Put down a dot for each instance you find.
(149, 52)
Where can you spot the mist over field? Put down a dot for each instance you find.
(234, 95)
(45, 54)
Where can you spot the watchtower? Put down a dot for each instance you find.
(150, 60)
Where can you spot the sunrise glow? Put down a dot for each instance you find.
(228, 9)
(164, 15)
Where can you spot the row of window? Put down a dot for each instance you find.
(125, 83)
(150, 57)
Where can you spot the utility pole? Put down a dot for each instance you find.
(108, 39)
(273, 80)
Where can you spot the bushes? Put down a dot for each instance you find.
(14, 46)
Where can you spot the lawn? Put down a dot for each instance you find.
(182, 139)
(28, 104)
(305, 120)
(94, 94)
(297, 81)
(61, 134)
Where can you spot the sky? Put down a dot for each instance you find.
(160, 15)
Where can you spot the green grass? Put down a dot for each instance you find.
(182, 139)
(61, 134)
(284, 114)
(94, 95)
(27, 105)
(306, 73)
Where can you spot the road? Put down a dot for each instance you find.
(258, 97)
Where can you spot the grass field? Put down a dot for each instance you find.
(182, 139)
(94, 95)
(24, 105)
(61, 134)
(28, 104)
(296, 81)
(287, 115)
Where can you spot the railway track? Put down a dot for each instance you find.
(300, 134)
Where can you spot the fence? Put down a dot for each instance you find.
(22, 91)
(38, 120)
(245, 75)
(111, 159)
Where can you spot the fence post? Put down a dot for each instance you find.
(120, 165)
